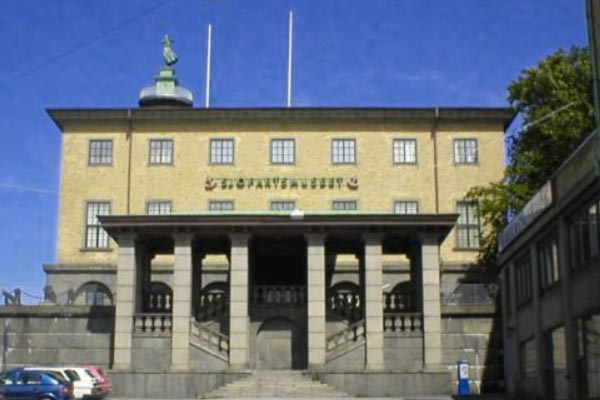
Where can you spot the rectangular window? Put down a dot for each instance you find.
(584, 236)
(548, 263)
(283, 205)
(221, 151)
(406, 207)
(100, 152)
(158, 207)
(465, 151)
(344, 205)
(343, 151)
(220, 205)
(161, 151)
(523, 280)
(405, 151)
(95, 236)
(468, 230)
(283, 151)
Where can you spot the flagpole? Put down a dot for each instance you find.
(289, 80)
(208, 62)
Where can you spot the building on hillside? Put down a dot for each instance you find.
(550, 279)
(334, 240)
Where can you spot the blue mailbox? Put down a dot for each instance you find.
(463, 378)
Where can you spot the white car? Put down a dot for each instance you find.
(85, 385)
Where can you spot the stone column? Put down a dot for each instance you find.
(182, 302)
(316, 299)
(374, 301)
(432, 316)
(127, 292)
(238, 301)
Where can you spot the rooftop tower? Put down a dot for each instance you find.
(166, 91)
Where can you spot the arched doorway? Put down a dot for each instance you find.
(275, 344)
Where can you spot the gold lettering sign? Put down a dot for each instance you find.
(280, 182)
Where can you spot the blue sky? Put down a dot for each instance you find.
(393, 53)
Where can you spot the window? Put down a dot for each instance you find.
(220, 205)
(158, 207)
(405, 151)
(283, 151)
(221, 151)
(95, 236)
(161, 151)
(94, 294)
(467, 227)
(523, 280)
(406, 207)
(548, 263)
(344, 205)
(100, 152)
(584, 235)
(283, 205)
(343, 151)
(465, 151)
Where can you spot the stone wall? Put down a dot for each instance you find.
(45, 335)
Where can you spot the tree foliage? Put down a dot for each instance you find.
(555, 102)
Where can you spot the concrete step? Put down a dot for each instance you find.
(281, 384)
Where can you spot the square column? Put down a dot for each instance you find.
(432, 315)
(316, 299)
(182, 302)
(374, 301)
(238, 301)
(125, 307)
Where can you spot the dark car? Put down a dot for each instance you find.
(19, 384)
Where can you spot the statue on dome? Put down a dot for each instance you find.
(168, 54)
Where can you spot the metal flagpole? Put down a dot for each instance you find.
(208, 55)
(289, 80)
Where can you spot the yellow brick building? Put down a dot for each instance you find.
(322, 239)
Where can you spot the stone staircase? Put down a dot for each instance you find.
(280, 384)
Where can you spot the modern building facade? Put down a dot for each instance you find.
(336, 240)
(550, 281)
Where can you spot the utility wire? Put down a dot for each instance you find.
(81, 45)
(27, 189)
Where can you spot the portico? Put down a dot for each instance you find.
(277, 305)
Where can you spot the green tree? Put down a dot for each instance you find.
(555, 102)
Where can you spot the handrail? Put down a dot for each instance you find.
(402, 322)
(346, 339)
(210, 341)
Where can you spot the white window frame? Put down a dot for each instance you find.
(406, 207)
(221, 205)
(222, 151)
(100, 152)
(159, 207)
(160, 151)
(283, 151)
(405, 151)
(95, 236)
(466, 151)
(343, 151)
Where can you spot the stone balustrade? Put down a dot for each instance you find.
(211, 306)
(403, 322)
(346, 305)
(209, 340)
(278, 295)
(346, 339)
(159, 302)
(152, 324)
(398, 302)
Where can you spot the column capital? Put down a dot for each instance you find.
(182, 239)
(313, 237)
(127, 239)
(429, 238)
(239, 238)
(372, 237)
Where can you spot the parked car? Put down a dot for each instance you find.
(21, 384)
(85, 385)
(104, 379)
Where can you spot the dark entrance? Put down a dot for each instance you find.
(278, 302)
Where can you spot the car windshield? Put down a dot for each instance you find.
(88, 373)
(72, 375)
